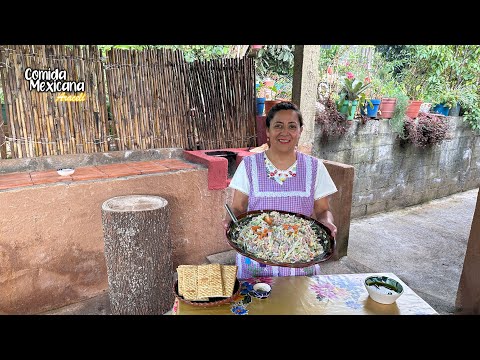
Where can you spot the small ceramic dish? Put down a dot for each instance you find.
(383, 289)
(261, 290)
(65, 171)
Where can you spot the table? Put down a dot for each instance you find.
(343, 294)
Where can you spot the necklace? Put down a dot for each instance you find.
(279, 175)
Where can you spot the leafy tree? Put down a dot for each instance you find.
(275, 59)
(190, 52)
(397, 54)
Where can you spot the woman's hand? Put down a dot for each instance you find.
(331, 226)
(324, 215)
(226, 224)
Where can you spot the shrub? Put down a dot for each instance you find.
(333, 122)
(428, 129)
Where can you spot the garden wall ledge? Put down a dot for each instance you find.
(132, 168)
(53, 162)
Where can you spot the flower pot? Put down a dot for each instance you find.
(425, 107)
(387, 106)
(372, 112)
(269, 104)
(344, 109)
(441, 109)
(454, 111)
(413, 108)
(260, 105)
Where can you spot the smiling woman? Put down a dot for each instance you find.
(282, 179)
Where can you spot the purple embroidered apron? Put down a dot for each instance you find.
(296, 194)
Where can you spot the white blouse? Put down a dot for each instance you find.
(324, 184)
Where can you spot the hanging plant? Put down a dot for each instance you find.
(427, 129)
(332, 121)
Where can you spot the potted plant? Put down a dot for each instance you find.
(332, 122)
(397, 120)
(428, 129)
(445, 100)
(371, 109)
(277, 90)
(389, 92)
(271, 99)
(352, 93)
(415, 85)
(260, 97)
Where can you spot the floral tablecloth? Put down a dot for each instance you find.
(315, 295)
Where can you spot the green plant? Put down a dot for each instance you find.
(469, 101)
(352, 90)
(283, 87)
(380, 75)
(397, 122)
(449, 98)
(389, 88)
(260, 89)
(275, 59)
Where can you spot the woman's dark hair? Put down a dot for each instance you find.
(284, 105)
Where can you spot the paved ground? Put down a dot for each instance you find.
(424, 245)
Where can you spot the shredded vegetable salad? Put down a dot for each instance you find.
(281, 238)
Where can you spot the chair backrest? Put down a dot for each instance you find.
(341, 203)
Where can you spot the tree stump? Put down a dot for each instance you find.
(138, 254)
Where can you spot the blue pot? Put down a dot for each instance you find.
(372, 112)
(260, 105)
(441, 109)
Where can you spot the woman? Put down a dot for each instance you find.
(281, 178)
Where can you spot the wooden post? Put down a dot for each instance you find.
(468, 294)
(138, 255)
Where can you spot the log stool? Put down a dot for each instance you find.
(138, 254)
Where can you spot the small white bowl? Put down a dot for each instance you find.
(65, 171)
(383, 289)
(261, 290)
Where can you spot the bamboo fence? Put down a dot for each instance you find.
(148, 100)
(156, 100)
(223, 103)
(38, 124)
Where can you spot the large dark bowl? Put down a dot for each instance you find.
(233, 231)
(213, 301)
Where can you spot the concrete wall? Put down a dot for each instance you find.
(390, 174)
(51, 237)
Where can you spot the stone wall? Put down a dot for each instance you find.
(392, 174)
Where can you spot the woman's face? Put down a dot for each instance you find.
(284, 131)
